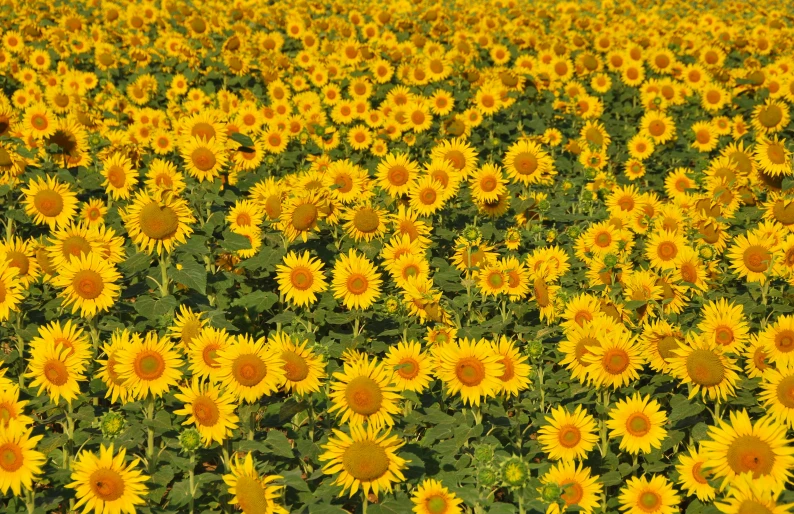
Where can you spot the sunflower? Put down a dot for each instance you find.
(471, 368)
(772, 156)
(777, 341)
(50, 202)
(89, 284)
(120, 177)
(741, 446)
(250, 369)
(662, 249)
(752, 257)
(527, 163)
(204, 158)
(362, 393)
(567, 436)
(71, 242)
(346, 182)
(186, 326)
(578, 488)
(107, 483)
(616, 361)
(643, 496)
(10, 406)
(148, 366)
(659, 126)
(304, 370)
(53, 369)
(158, 224)
(778, 394)
(431, 497)
(639, 422)
(689, 269)
(209, 409)
(702, 364)
(39, 120)
(93, 212)
(251, 492)
(11, 288)
(107, 372)
(68, 335)
(458, 152)
(355, 281)
(487, 183)
(396, 174)
(365, 459)
(706, 138)
(659, 338)
(365, 222)
(163, 176)
(300, 278)
(427, 196)
(725, 324)
(301, 215)
(20, 463)
(771, 117)
(693, 477)
(577, 344)
(748, 496)
(202, 352)
(412, 367)
(516, 374)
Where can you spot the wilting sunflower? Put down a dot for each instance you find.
(251, 492)
(616, 361)
(210, 409)
(365, 459)
(703, 365)
(250, 369)
(724, 323)
(639, 422)
(654, 496)
(304, 370)
(778, 393)
(55, 371)
(204, 158)
(777, 340)
(186, 326)
(659, 339)
(50, 202)
(741, 446)
(527, 163)
(746, 496)
(107, 372)
(107, 483)
(567, 436)
(411, 366)
(431, 497)
(11, 408)
(20, 463)
(516, 374)
(578, 488)
(362, 393)
(693, 477)
(355, 281)
(89, 284)
(158, 224)
(149, 365)
(10, 289)
(120, 177)
(471, 368)
(203, 351)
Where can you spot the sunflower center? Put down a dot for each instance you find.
(107, 484)
(11, 458)
(365, 461)
(770, 116)
(753, 507)
(470, 371)
(250, 495)
(572, 493)
(357, 283)
(509, 372)
(525, 163)
(705, 368)
(784, 212)
(665, 347)
(784, 341)
(304, 216)
(697, 473)
(209, 354)
(488, 184)
(570, 436)
(203, 129)
(776, 153)
(436, 504)
(759, 359)
(457, 159)
(582, 317)
(62, 139)
(615, 361)
(149, 365)
(56, 372)
(75, 246)
(656, 128)
(88, 284)
(158, 222)
(19, 261)
(756, 258)
(301, 278)
(581, 348)
(364, 396)
(248, 370)
(116, 176)
(603, 239)
(667, 251)
(409, 368)
(650, 501)
(748, 453)
(496, 280)
(703, 136)
(723, 335)
(785, 392)
(397, 175)
(295, 366)
(39, 121)
(366, 220)
(638, 424)
(541, 292)
(203, 159)
(428, 196)
(205, 411)
(48, 202)
(689, 273)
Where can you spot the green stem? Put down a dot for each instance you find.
(521, 502)
(191, 477)
(150, 433)
(364, 504)
(311, 420)
(252, 422)
(164, 275)
(68, 428)
(30, 499)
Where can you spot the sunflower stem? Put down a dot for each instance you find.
(93, 327)
(68, 428)
(311, 420)
(164, 275)
(150, 433)
(364, 503)
(30, 499)
(191, 477)
(20, 346)
(252, 422)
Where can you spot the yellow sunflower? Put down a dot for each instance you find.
(725, 324)
(107, 483)
(210, 409)
(120, 177)
(107, 372)
(68, 335)
(204, 158)
(639, 422)
(149, 366)
(693, 476)
(777, 341)
(158, 224)
(55, 371)
(50, 202)
(187, 325)
(643, 496)
(20, 463)
(250, 491)
(527, 163)
(300, 278)
(366, 459)
(459, 152)
(11, 408)
(355, 281)
(471, 368)
(202, 352)
(365, 222)
(431, 497)
(516, 374)
(300, 215)
(10, 289)
(567, 436)
(250, 369)
(752, 257)
(363, 393)
(578, 488)
(89, 284)
(304, 370)
(748, 496)
(412, 367)
(396, 174)
(20, 254)
(616, 361)
(703, 364)
(778, 394)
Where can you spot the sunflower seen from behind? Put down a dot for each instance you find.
(107, 482)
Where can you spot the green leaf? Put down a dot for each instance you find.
(151, 308)
(683, 409)
(294, 479)
(279, 443)
(243, 139)
(257, 301)
(233, 242)
(136, 263)
(192, 274)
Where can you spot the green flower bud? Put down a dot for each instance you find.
(483, 452)
(112, 424)
(471, 233)
(190, 439)
(487, 477)
(535, 348)
(706, 252)
(574, 231)
(515, 472)
(611, 260)
(550, 493)
(587, 195)
(543, 205)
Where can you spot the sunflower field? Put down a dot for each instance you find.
(440, 257)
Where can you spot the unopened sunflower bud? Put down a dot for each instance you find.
(112, 424)
(515, 472)
(190, 439)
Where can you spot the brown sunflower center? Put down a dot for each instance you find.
(116, 176)
(570, 436)
(364, 396)
(357, 284)
(784, 340)
(638, 424)
(656, 128)
(203, 159)
(756, 258)
(436, 504)
(251, 495)
(541, 292)
(650, 501)
(615, 361)
(723, 335)
(496, 280)
(18, 260)
(304, 216)
(748, 453)
(689, 272)
(11, 458)
(366, 220)
(56, 372)
(409, 368)
(158, 222)
(295, 366)
(603, 239)
(205, 410)
(667, 251)
(397, 175)
(428, 196)
(470, 371)
(785, 392)
(209, 355)
(705, 368)
(509, 371)
(301, 278)
(248, 370)
(572, 493)
(525, 163)
(88, 284)
(149, 365)
(776, 153)
(784, 212)
(365, 461)
(48, 202)
(770, 116)
(488, 183)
